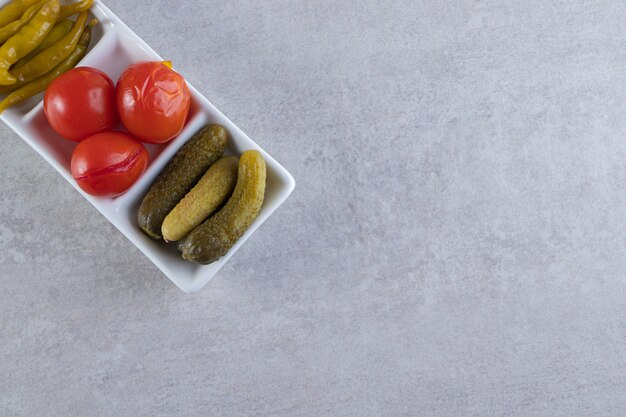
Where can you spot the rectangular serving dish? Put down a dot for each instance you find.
(114, 46)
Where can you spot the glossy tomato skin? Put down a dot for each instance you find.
(81, 103)
(153, 101)
(108, 164)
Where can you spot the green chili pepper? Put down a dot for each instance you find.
(40, 84)
(70, 9)
(58, 31)
(11, 29)
(27, 39)
(5, 89)
(50, 58)
(14, 10)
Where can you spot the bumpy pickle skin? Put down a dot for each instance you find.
(215, 186)
(179, 176)
(214, 238)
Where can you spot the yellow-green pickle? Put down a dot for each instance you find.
(179, 176)
(215, 186)
(214, 238)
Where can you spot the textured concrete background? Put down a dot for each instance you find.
(454, 247)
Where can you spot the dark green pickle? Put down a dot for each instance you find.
(214, 238)
(179, 176)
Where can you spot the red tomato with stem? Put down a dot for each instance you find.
(108, 164)
(153, 101)
(81, 103)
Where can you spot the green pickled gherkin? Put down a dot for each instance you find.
(179, 176)
(215, 186)
(214, 238)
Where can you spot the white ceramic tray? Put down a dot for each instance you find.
(113, 47)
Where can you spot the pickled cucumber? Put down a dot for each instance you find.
(179, 176)
(213, 188)
(213, 238)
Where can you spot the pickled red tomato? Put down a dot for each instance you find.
(81, 103)
(108, 164)
(153, 101)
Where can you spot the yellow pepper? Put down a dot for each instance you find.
(58, 31)
(27, 39)
(11, 29)
(78, 7)
(40, 84)
(13, 10)
(51, 57)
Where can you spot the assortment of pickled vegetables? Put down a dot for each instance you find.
(202, 200)
(39, 43)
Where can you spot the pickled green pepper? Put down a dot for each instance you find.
(78, 7)
(51, 57)
(14, 10)
(27, 39)
(11, 29)
(5, 89)
(58, 31)
(40, 84)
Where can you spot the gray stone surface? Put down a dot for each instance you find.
(454, 247)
